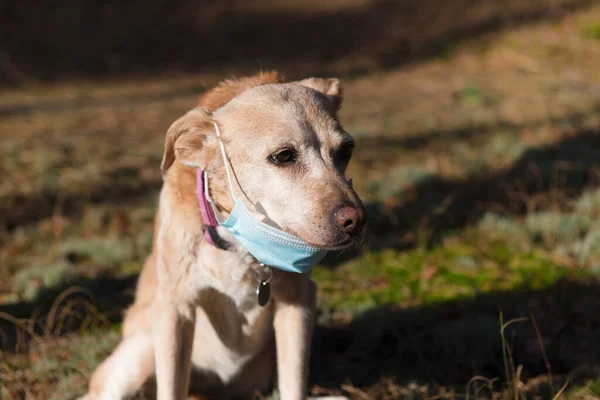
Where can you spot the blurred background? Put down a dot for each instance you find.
(478, 157)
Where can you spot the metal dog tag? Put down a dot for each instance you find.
(263, 293)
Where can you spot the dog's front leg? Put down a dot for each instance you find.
(294, 316)
(173, 334)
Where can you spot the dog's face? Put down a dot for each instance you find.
(289, 155)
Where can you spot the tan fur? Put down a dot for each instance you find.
(195, 323)
(228, 89)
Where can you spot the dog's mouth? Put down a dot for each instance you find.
(345, 243)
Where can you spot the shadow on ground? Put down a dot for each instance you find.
(91, 39)
(449, 343)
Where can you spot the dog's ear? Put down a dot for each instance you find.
(187, 140)
(331, 87)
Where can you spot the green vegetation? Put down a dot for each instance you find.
(592, 30)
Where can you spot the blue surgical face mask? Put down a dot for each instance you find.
(269, 245)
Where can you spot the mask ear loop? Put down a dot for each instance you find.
(210, 200)
(225, 160)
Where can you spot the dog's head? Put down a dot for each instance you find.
(288, 153)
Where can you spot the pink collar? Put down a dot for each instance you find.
(208, 215)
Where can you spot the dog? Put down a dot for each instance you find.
(208, 316)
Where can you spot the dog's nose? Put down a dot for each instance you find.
(349, 219)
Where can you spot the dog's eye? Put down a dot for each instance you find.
(287, 156)
(345, 152)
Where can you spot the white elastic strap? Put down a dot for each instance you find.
(206, 191)
(225, 160)
(210, 200)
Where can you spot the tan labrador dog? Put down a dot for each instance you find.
(196, 325)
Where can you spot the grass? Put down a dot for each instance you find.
(592, 30)
(480, 171)
(62, 365)
(456, 270)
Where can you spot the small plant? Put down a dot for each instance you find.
(591, 30)
(512, 375)
(472, 94)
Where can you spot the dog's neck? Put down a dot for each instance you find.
(208, 216)
(181, 179)
(221, 238)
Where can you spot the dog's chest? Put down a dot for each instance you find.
(231, 329)
(228, 298)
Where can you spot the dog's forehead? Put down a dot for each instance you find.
(279, 111)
